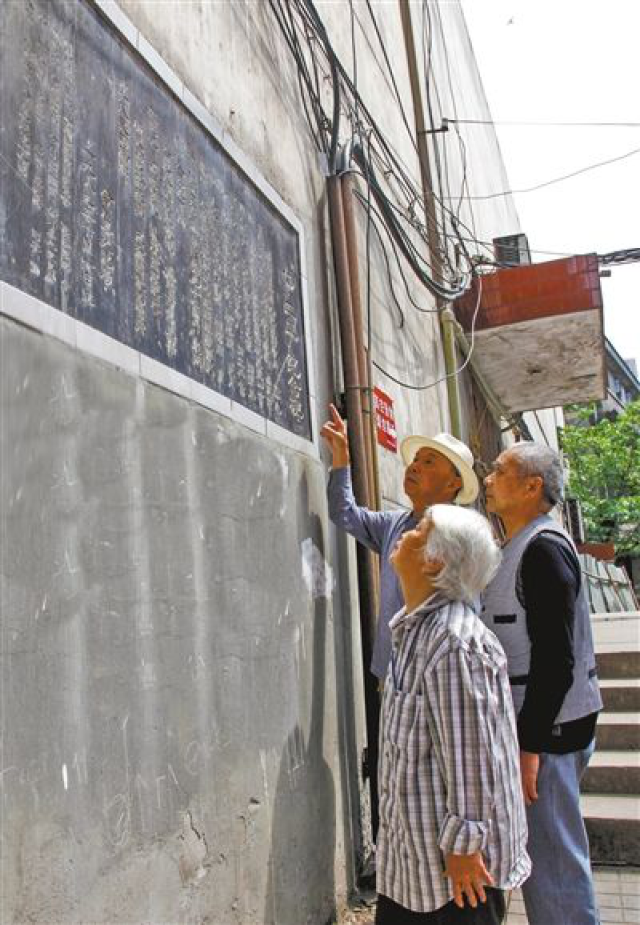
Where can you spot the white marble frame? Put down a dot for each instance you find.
(29, 311)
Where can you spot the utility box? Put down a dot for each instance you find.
(512, 250)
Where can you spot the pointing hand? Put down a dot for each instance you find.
(335, 433)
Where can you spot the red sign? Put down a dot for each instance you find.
(385, 420)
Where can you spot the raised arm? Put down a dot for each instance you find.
(368, 527)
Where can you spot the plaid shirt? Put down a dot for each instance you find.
(449, 764)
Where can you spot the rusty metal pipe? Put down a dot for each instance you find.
(366, 397)
(366, 565)
(352, 380)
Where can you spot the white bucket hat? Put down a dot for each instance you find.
(456, 452)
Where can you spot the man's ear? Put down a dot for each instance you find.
(535, 484)
(455, 482)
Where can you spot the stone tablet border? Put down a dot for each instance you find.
(38, 315)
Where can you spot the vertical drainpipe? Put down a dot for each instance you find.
(361, 351)
(352, 380)
(364, 370)
(447, 329)
(356, 431)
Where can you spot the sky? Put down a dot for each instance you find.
(570, 61)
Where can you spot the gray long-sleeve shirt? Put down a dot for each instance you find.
(378, 531)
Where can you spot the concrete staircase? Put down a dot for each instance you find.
(611, 786)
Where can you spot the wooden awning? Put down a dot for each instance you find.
(539, 336)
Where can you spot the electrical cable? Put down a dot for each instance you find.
(389, 274)
(618, 258)
(307, 13)
(568, 176)
(368, 252)
(393, 155)
(546, 124)
(410, 131)
(440, 162)
(541, 428)
(461, 145)
(356, 123)
(403, 242)
(335, 122)
(288, 32)
(427, 311)
(420, 229)
(383, 141)
(456, 372)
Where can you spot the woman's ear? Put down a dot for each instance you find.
(432, 567)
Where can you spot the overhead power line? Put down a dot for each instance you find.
(567, 176)
(618, 258)
(395, 194)
(456, 372)
(543, 124)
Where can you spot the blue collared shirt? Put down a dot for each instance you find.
(378, 531)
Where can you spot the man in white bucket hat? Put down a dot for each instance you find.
(439, 471)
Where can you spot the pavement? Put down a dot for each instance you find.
(617, 892)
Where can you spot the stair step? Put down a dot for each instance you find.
(621, 694)
(620, 663)
(613, 826)
(604, 806)
(618, 731)
(616, 772)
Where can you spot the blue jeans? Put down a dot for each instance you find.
(560, 888)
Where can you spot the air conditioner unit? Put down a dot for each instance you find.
(574, 520)
(512, 250)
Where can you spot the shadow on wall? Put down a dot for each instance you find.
(301, 884)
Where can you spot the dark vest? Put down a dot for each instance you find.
(504, 614)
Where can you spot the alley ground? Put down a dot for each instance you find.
(618, 892)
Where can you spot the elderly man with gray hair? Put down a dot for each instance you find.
(537, 608)
(453, 833)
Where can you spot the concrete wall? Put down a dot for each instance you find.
(178, 696)
(181, 685)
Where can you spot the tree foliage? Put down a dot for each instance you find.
(604, 465)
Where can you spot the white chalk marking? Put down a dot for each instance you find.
(317, 574)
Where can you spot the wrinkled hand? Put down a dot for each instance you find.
(468, 877)
(335, 433)
(529, 766)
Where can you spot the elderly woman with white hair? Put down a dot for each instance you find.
(453, 830)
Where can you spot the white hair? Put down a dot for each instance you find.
(463, 541)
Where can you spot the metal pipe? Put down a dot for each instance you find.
(364, 366)
(352, 381)
(447, 325)
(433, 237)
(366, 579)
(366, 396)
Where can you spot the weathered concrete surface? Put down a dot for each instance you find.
(172, 739)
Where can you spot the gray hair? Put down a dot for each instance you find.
(462, 540)
(540, 460)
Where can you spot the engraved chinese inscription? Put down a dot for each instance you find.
(119, 209)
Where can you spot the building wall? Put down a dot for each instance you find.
(181, 670)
